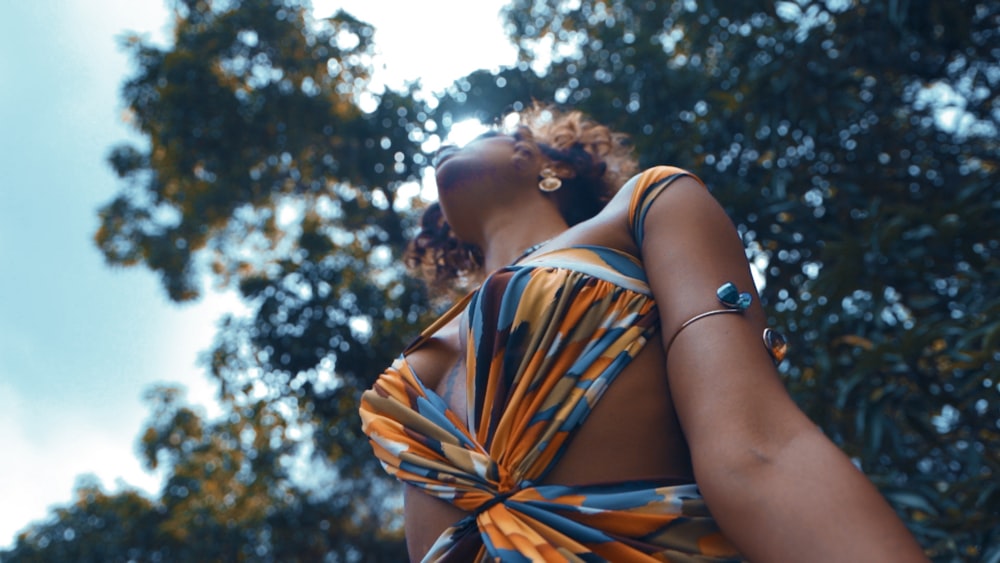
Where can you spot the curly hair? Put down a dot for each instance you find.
(601, 159)
(438, 256)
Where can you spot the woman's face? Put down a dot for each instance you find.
(490, 170)
(492, 160)
(492, 152)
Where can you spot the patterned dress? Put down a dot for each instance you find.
(545, 338)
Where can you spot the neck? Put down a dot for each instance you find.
(508, 236)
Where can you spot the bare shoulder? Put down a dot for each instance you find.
(654, 178)
(619, 203)
(684, 192)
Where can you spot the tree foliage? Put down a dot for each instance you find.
(853, 142)
(263, 174)
(229, 494)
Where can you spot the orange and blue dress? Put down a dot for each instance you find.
(546, 337)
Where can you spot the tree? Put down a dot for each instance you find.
(228, 495)
(97, 527)
(270, 169)
(264, 174)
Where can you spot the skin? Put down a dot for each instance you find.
(713, 409)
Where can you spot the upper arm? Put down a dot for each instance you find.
(725, 387)
(779, 489)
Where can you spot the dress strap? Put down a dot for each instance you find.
(439, 323)
(649, 184)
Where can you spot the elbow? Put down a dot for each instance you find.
(733, 467)
(746, 461)
(738, 483)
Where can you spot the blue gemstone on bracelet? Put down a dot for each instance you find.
(731, 297)
(728, 294)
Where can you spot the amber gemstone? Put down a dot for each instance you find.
(776, 344)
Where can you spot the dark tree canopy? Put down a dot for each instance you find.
(854, 143)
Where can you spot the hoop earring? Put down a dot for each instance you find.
(549, 182)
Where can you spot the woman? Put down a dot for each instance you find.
(566, 408)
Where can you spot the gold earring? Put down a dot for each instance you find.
(549, 182)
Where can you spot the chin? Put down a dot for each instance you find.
(448, 175)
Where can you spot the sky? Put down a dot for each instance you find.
(81, 342)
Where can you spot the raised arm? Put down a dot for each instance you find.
(778, 488)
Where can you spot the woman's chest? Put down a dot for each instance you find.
(440, 364)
